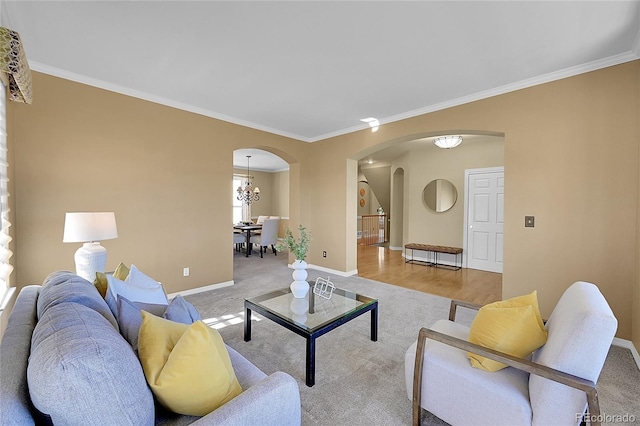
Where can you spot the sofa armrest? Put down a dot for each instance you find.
(273, 401)
(530, 367)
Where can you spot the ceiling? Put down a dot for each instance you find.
(260, 160)
(311, 70)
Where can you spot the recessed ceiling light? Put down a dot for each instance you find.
(373, 123)
(370, 161)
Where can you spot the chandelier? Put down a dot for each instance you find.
(448, 142)
(248, 194)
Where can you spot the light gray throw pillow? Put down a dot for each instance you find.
(130, 319)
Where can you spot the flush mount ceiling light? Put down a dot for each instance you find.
(448, 142)
(373, 122)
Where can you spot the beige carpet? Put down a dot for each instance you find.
(360, 382)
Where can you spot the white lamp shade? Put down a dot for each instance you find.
(89, 226)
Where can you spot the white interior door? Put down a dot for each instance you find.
(485, 219)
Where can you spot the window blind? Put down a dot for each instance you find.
(5, 238)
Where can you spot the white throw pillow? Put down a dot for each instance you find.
(139, 279)
(133, 292)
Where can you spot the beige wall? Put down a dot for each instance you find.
(280, 201)
(635, 321)
(166, 173)
(562, 165)
(424, 165)
(370, 201)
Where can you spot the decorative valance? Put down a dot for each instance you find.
(14, 68)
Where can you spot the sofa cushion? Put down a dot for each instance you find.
(187, 366)
(64, 286)
(81, 370)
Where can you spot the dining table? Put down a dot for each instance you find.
(247, 230)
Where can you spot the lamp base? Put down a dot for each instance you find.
(90, 258)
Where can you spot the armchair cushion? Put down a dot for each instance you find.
(458, 394)
(513, 326)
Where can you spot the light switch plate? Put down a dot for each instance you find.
(529, 221)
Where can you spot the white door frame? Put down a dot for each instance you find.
(468, 173)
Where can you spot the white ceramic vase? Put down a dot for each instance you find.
(299, 286)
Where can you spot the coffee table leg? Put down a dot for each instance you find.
(247, 324)
(311, 361)
(374, 324)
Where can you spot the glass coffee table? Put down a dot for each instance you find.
(311, 317)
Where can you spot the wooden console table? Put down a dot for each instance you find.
(428, 248)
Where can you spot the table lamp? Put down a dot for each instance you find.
(90, 228)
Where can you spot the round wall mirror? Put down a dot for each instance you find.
(440, 195)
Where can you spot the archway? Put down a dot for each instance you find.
(414, 161)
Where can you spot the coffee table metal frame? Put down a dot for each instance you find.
(310, 334)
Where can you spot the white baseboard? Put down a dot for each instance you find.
(628, 344)
(395, 248)
(201, 289)
(333, 271)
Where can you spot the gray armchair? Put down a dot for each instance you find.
(558, 386)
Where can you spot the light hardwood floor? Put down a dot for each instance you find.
(471, 285)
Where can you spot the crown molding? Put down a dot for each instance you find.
(79, 78)
(546, 78)
(632, 55)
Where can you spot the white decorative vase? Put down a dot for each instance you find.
(299, 286)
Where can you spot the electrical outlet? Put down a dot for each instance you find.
(185, 272)
(324, 253)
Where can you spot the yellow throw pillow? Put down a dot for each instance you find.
(516, 302)
(101, 283)
(121, 272)
(513, 326)
(187, 366)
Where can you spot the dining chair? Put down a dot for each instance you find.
(268, 236)
(238, 239)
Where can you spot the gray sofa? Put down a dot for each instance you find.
(63, 361)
